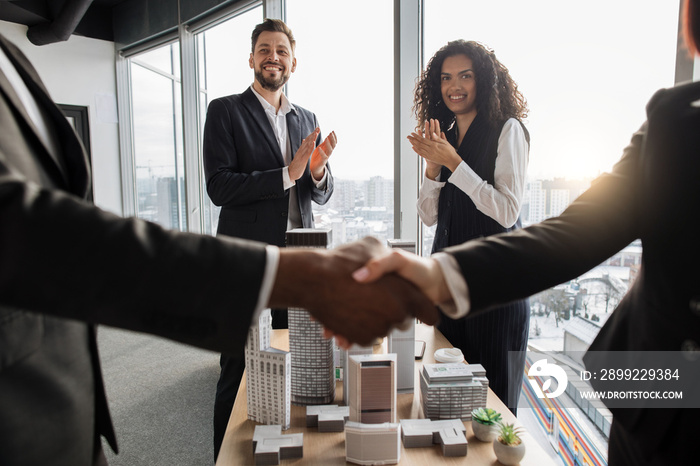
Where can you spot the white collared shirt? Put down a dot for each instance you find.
(500, 201)
(278, 121)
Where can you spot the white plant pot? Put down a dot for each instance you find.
(484, 432)
(509, 454)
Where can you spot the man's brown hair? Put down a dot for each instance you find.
(271, 25)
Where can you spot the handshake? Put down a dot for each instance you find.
(361, 290)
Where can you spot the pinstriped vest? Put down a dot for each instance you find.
(458, 218)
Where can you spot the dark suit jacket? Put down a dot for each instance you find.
(243, 168)
(653, 193)
(66, 265)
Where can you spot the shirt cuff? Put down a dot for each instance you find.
(433, 184)
(287, 182)
(322, 183)
(272, 259)
(465, 178)
(460, 304)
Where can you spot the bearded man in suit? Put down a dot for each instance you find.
(264, 162)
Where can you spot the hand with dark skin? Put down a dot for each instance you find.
(320, 281)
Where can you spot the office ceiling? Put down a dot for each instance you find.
(55, 20)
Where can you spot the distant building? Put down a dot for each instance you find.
(549, 198)
(579, 333)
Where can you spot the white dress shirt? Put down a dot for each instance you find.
(278, 121)
(500, 201)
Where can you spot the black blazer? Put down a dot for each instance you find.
(66, 265)
(653, 193)
(243, 167)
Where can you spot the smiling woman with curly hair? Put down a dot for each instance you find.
(508, 102)
(468, 110)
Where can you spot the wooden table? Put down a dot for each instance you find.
(329, 448)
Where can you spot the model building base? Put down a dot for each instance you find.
(449, 434)
(270, 446)
(372, 443)
(328, 418)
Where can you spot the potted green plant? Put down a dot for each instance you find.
(484, 423)
(508, 446)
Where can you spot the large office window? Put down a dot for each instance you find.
(223, 51)
(587, 70)
(345, 75)
(157, 136)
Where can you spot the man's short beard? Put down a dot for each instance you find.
(271, 85)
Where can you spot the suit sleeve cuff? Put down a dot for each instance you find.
(321, 184)
(459, 305)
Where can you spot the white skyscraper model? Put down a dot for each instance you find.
(313, 371)
(402, 342)
(268, 376)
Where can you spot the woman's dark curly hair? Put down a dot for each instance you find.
(497, 95)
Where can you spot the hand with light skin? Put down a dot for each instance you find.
(302, 155)
(320, 281)
(432, 145)
(320, 156)
(423, 272)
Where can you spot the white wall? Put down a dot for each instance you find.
(81, 71)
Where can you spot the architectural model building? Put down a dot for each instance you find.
(372, 443)
(268, 376)
(372, 388)
(270, 446)
(313, 371)
(451, 391)
(402, 342)
(328, 418)
(449, 434)
(354, 350)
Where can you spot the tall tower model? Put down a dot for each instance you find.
(313, 371)
(354, 350)
(268, 376)
(372, 388)
(403, 342)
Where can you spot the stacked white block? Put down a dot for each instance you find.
(313, 371)
(268, 376)
(451, 391)
(372, 388)
(372, 443)
(328, 418)
(270, 446)
(449, 434)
